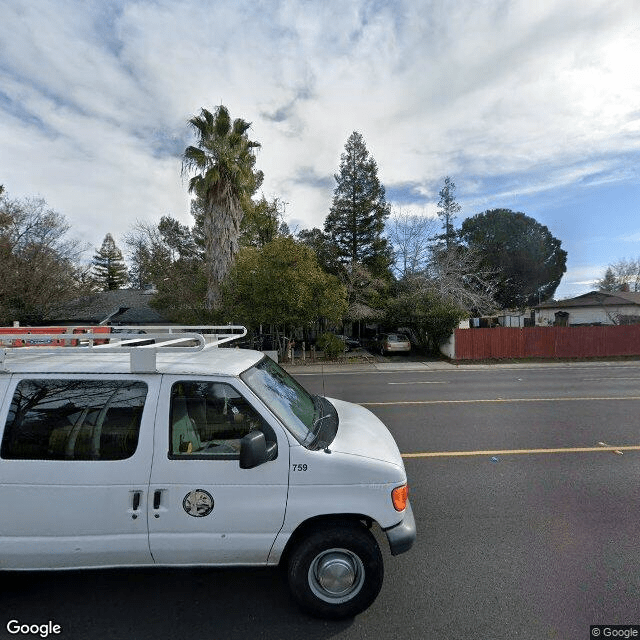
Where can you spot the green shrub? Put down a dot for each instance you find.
(330, 344)
(431, 316)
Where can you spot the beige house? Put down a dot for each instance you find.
(593, 308)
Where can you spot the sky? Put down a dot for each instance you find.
(530, 106)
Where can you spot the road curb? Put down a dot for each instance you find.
(381, 367)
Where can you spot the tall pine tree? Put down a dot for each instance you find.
(447, 210)
(109, 269)
(356, 219)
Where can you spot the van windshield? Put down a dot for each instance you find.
(301, 413)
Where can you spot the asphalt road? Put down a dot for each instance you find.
(527, 520)
(533, 535)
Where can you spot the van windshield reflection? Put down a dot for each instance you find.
(302, 413)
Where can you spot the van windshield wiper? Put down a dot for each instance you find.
(319, 406)
(319, 416)
(321, 434)
(317, 420)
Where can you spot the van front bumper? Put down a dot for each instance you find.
(402, 535)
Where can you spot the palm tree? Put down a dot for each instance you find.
(225, 180)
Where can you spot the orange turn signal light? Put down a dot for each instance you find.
(399, 497)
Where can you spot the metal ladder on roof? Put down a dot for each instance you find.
(141, 342)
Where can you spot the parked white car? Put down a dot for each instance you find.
(121, 455)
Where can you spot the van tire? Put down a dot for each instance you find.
(336, 572)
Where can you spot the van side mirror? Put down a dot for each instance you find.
(255, 451)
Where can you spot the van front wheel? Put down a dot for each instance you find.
(336, 572)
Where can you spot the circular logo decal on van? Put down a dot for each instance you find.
(198, 503)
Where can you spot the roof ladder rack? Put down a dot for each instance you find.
(143, 342)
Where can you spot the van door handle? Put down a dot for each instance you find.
(156, 499)
(135, 504)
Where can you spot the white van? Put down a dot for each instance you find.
(119, 455)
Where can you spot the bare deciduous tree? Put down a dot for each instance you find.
(623, 275)
(39, 264)
(411, 238)
(457, 274)
(148, 255)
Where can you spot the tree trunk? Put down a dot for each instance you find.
(221, 229)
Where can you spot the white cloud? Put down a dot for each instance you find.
(426, 210)
(632, 237)
(579, 280)
(94, 96)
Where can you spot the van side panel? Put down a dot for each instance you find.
(73, 513)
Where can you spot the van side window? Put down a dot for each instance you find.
(74, 420)
(208, 419)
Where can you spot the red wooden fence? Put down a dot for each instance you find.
(547, 342)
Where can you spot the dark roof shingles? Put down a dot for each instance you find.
(98, 306)
(596, 299)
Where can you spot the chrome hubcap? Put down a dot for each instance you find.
(336, 575)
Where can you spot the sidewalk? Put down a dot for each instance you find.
(337, 367)
(442, 365)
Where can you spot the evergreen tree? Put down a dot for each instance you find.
(304, 295)
(609, 281)
(528, 260)
(263, 221)
(356, 219)
(325, 250)
(178, 238)
(109, 270)
(447, 210)
(139, 258)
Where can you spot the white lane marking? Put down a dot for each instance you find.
(417, 383)
(609, 379)
(480, 401)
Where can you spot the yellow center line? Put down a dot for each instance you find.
(506, 452)
(407, 402)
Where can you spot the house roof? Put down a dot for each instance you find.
(596, 299)
(123, 306)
